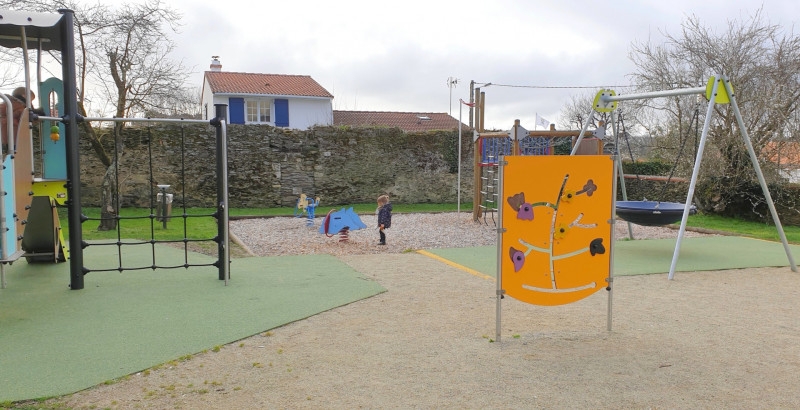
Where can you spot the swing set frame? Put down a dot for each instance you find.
(718, 91)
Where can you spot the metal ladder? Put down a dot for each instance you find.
(489, 188)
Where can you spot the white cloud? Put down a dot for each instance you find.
(396, 56)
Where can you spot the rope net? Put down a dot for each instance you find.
(491, 150)
(157, 214)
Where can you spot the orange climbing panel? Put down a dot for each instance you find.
(557, 214)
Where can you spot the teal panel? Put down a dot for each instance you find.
(54, 157)
(8, 201)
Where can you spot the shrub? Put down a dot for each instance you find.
(648, 167)
(746, 200)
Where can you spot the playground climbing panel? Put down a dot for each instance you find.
(557, 214)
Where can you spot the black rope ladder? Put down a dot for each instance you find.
(152, 217)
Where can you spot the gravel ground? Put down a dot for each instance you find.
(291, 236)
(719, 339)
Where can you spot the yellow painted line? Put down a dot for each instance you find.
(455, 265)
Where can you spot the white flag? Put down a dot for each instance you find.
(541, 121)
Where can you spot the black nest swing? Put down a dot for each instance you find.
(655, 213)
(652, 213)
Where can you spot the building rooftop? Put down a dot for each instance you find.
(785, 153)
(407, 121)
(264, 84)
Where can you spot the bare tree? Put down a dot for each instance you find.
(185, 103)
(574, 113)
(762, 61)
(9, 74)
(123, 62)
(136, 51)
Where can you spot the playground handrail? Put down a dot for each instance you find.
(166, 120)
(123, 119)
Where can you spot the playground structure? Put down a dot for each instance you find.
(341, 222)
(30, 203)
(306, 205)
(490, 146)
(555, 235)
(30, 225)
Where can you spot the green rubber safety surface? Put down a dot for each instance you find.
(55, 341)
(655, 255)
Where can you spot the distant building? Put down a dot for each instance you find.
(290, 101)
(406, 121)
(786, 156)
(299, 102)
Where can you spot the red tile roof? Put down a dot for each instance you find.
(270, 84)
(407, 121)
(785, 153)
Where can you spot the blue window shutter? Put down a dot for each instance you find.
(281, 113)
(236, 108)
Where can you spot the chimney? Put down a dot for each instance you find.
(215, 64)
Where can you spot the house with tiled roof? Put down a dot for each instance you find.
(290, 101)
(786, 156)
(406, 121)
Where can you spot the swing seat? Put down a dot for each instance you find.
(652, 213)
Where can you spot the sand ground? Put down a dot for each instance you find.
(720, 339)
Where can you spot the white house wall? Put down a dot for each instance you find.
(791, 174)
(306, 113)
(303, 112)
(206, 103)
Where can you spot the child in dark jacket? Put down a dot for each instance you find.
(384, 216)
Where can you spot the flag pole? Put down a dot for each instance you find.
(458, 189)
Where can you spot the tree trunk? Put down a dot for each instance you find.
(109, 205)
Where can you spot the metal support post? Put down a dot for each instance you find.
(71, 139)
(754, 160)
(500, 165)
(693, 183)
(583, 131)
(220, 122)
(458, 183)
(618, 171)
(612, 221)
(162, 206)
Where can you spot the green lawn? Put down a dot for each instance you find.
(746, 228)
(205, 227)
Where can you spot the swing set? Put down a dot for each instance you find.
(564, 250)
(718, 90)
(651, 213)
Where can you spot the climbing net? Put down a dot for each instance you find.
(491, 149)
(157, 211)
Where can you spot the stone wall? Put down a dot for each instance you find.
(270, 167)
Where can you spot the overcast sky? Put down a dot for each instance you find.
(397, 56)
